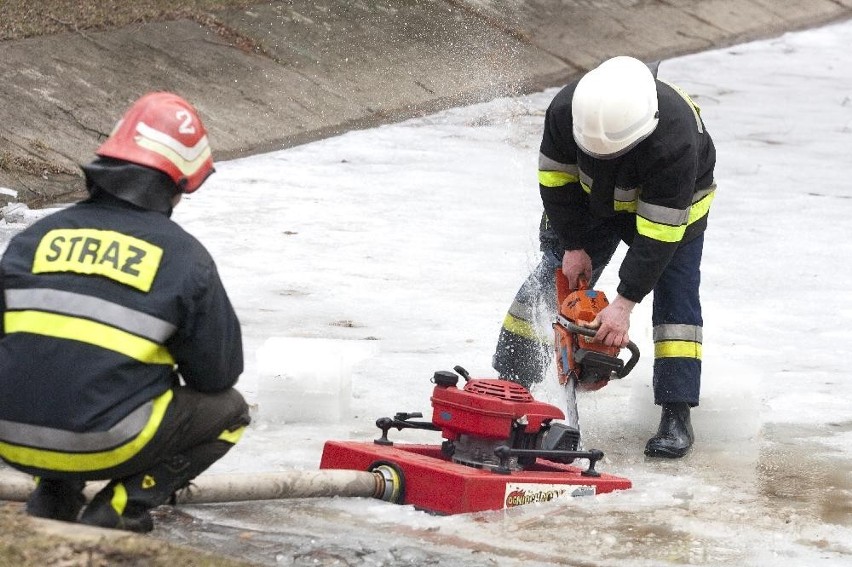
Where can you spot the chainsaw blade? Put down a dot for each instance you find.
(572, 414)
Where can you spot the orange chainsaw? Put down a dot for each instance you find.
(589, 364)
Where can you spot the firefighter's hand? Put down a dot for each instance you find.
(576, 265)
(613, 323)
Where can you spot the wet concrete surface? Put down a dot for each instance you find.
(776, 488)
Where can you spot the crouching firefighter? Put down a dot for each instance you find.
(119, 347)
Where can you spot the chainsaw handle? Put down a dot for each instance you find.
(587, 332)
(631, 362)
(562, 287)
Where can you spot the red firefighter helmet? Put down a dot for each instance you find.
(164, 132)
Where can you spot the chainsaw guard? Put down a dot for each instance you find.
(568, 362)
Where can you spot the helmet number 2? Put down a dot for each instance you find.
(186, 125)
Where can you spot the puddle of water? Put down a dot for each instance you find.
(796, 474)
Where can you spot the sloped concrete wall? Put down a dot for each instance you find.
(283, 73)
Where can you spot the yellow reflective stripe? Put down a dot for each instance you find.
(81, 462)
(523, 329)
(677, 349)
(88, 307)
(106, 253)
(661, 232)
(696, 110)
(232, 436)
(556, 178)
(119, 498)
(669, 233)
(188, 159)
(701, 208)
(625, 199)
(187, 167)
(86, 331)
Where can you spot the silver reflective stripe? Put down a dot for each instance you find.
(547, 164)
(586, 179)
(700, 194)
(678, 332)
(694, 107)
(521, 311)
(626, 194)
(662, 215)
(80, 305)
(71, 441)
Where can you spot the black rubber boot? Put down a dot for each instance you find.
(57, 499)
(125, 504)
(112, 508)
(674, 436)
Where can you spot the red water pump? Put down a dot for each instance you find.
(483, 422)
(501, 448)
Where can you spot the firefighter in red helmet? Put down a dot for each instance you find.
(138, 346)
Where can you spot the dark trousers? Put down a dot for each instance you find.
(194, 426)
(677, 303)
(197, 430)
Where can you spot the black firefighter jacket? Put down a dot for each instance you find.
(105, 306)
(655, 197)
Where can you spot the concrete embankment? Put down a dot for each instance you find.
(283, 73)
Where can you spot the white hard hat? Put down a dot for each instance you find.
(614, 107)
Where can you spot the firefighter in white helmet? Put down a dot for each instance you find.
(119, 347)
(624, 158)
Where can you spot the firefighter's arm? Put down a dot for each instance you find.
(662, 215)
(208, 348)
(564, 200)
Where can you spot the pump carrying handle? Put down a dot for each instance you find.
(587, 332)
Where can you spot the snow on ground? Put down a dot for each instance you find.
(409, 241)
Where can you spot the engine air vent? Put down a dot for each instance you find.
(499, 389)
